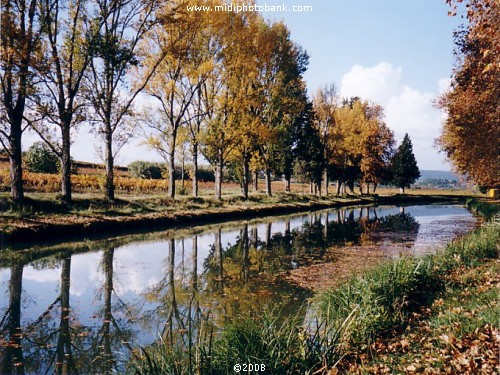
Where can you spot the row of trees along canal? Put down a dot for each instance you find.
(232, 83)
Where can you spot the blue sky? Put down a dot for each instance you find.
(413, 34)
(397, 53)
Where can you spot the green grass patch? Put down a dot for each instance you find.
(379, 301)
(264, 340)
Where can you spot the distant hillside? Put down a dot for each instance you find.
(439, 179)
(426, 174)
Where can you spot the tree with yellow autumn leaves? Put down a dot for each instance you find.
(181, 41)
(357, 143)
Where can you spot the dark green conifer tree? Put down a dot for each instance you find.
(404, 165)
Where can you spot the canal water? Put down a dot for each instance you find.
(92, 304)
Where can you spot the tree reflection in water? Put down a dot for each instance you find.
(56, 342)
(12, 358)
(64, 352)
(194, 296)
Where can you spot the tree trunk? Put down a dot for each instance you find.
(171, 169)
(12, 358)
(351, 187)
(246, 252)
(16, 169)
(256, 181)
(339, 186)
(268, 183)
(311, 188)
(218, 179)
(66, 164)
(182, 172)
(288, 184)
(326, 181)
(110, 183)
(402, 190)
(326, 227)
(246, 178)
(195, 170)
(219, 258)
(173, 309)
(193, 312)
(255, 238)
(268, 234)
(374, 188)
(194, 280)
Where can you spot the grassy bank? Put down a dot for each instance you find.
(483, 207)
(363, 325)
(457, 334)
(43, 215)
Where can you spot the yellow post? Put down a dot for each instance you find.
(494, 193)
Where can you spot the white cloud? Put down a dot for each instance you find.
(407, 110)
(42, 276)
(444, 85)
(85, 269)
(412, 112)
(378, 83)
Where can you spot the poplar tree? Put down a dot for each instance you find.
(182, 41)
(280, 89)
(326, 102)
(350, 122)
(19, 52)
(309, 153)
(120, 26)
(60, 104)
(377, 149)
(227, 130)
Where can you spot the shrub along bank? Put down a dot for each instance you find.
(340, 327)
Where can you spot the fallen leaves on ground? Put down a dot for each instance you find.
(436, 340)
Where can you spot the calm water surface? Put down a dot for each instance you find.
(93, 303)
